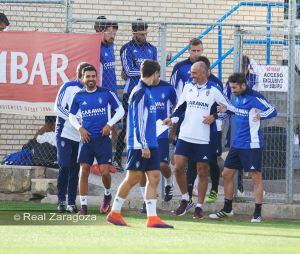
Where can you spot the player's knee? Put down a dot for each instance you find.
(226, 174)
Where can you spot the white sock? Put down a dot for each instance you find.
(143, 191)
(151, 207)
(186, 196)
(106, 192)
(117, 205)
(199, 205)
(83, 200)
(169, 181)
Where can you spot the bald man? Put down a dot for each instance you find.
(196, 101)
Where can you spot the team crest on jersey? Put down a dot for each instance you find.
(100, 100)
(62, 143)
(207, 92)
(137, 164)
(163, 95)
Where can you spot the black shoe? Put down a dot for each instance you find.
(72, 209)
(168, 193)
(198, 213)
(181, 210)
(143, 209)
(61, 206)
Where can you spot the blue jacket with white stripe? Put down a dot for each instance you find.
(247, 132)
(132, 55)
(141, 120)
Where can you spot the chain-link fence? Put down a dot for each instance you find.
(272, 80)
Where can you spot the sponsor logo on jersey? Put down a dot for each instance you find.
(198, 104)
(93, 112)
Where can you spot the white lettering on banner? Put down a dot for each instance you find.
(3, 67)
(272, 78)
(39, 69)
(55, 70)
(20, 72)
(15, 67)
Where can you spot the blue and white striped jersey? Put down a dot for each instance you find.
(95, 108)
(107, 67)
(141, 120)
(165, 98)
(247, 133)
(132, 55)
(62, 107)
(181, 75)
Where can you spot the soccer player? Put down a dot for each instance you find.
(196, 100)
(94, 103)
(67, 141)
(215, 138)
(246, 149)
(181, 75)
(165, 99)
(132, 54)
(142, 152)
(107, 75)
(107, 57)
(252, 82)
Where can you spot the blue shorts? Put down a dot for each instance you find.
(195, 152)
(163, 148)
(216, 143)
(247, 159)
(135, 161)
(99, 148)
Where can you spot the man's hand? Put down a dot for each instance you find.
(222, 108)
(256, 118)
(84, 135)
(208, 119)
(146, 153)
(167, 121)
(106, 130)
(123, 75)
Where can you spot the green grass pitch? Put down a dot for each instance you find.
(237, 235)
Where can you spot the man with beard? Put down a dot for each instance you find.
(94, 103)
(132, 54)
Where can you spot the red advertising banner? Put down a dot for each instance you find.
(33, 65)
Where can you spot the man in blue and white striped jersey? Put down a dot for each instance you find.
(142, 147)
(247, 144)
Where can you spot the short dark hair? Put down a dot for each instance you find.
(139, 25)
(149, 67)
(88, 68)
(4, 19)
(50, 119)
(102, 26)
(195, 42)
(245, 60)
(238, 78)
(80, 67)
(205, 60)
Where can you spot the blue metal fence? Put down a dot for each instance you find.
(268, 42)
